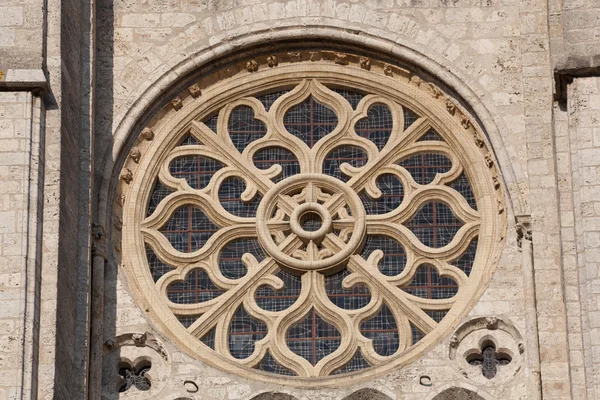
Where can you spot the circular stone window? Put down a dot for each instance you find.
(305, 217)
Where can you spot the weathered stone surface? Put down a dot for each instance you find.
(60, 150)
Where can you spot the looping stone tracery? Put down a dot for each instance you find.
(311, 231)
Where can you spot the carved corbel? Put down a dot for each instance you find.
(388, 70)
(252, 66)
(295, 56)
(195, 91)
(272, 61)
(177, 103)
(450, 106)
(340, 58)
(98, 241)
(135, 154)
(127, 175)
(147, 134)
(524, 231)
(365, 63)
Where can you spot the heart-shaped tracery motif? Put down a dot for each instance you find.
(311, 231)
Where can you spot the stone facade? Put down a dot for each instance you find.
(80, 80)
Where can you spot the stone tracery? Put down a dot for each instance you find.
(293, 185)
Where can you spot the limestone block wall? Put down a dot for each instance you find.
(584, 133)
(22, 25)
(21, 171)
(581, 20)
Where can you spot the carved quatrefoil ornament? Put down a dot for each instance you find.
(309, 222)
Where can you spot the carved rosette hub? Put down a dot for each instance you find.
(319, 199)
(315, 180)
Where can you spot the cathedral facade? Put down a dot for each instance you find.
(300, 199)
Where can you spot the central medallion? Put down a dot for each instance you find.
(311, 222)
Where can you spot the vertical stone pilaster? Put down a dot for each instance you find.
(544, 205)
(21, 204)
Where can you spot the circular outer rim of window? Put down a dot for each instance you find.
(312, 255)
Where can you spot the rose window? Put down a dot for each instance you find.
(310, 229)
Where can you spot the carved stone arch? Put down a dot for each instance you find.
(458, 394)
(138, 117)
(273, 396)
(167, 85)
(367, 394)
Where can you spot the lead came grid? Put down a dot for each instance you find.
(269, 299)
(244, 331)
(188, 229)
(265, 158)
(244, 128)
(424, 167)
(230, 194)
(230, 258)
(310, 121)
(157, 267)
(392, 194)
(462, 186)
(465, 262)
(434, 224)
(377, 126)
(196, 170)
(196, 288)
(428, 284)
(394, 255)
(349, 299)
(313, 338)
(383, 331)
(352, 155)
(357, 362)
(159, 192)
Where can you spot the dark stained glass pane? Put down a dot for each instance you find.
(188, 229)
(270, 299)
(159, 192)
(313, 338)
(230, 194)
(348, 299)
(230, 258)
(352, 155)
(196, 170)
(269, 364)
(157, 267)
(377, 126)
(196, 288)
(465, 261)
(265, 158)
(356, 363)
(428, 284)
(244, 332)
(310, 121)
(434, 224)
(424, 167)
(383, 330)
(392, 194)
(462, 186)
(244, 128)
(394, 256)
(268, 99)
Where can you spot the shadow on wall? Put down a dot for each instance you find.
(362, 394)
(458, 394)
(273, 396)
